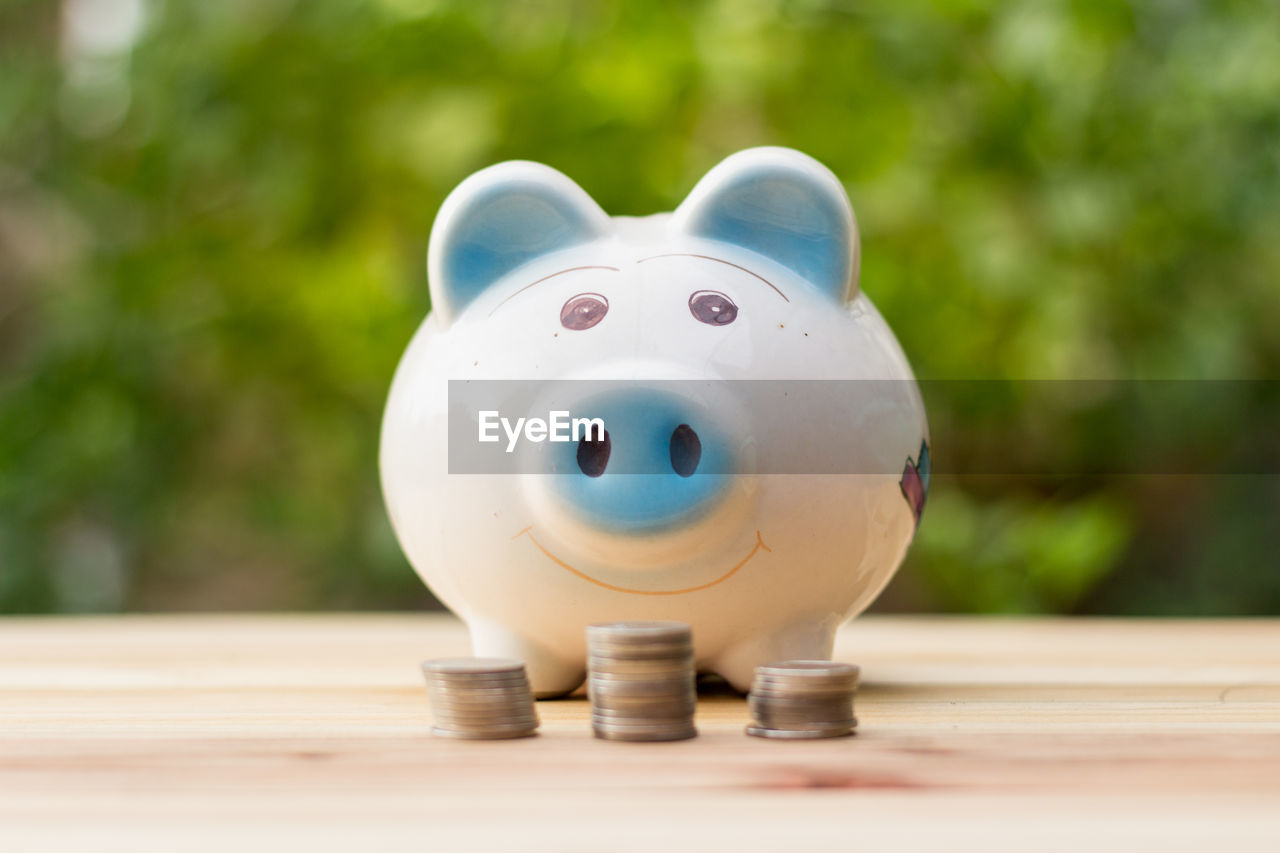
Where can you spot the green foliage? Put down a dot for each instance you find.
(1015, 555)
(212, 228)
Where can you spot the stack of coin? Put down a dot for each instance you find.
(480, 698)
(641, 681)
(799, 699)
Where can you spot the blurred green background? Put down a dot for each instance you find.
(213, 221)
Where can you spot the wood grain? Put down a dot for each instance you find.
(311, 733)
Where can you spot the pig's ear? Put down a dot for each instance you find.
(498, 219)
(784, 205)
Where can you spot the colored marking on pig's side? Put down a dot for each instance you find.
(915, 481)
(562, 564)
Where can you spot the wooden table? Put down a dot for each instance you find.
(237, 733)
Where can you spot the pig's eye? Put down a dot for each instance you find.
(583, 311)
(713, 308)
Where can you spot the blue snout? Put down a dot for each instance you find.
(662, 462)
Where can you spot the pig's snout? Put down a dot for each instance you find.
(662, 461)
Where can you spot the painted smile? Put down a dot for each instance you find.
(759, 546)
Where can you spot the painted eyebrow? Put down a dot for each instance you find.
(719, 261)
(544, 278)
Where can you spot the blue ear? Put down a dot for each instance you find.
(784, 205)
(498, 219)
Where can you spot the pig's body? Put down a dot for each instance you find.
(766, 565)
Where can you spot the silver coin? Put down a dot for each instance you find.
(642, 722)
(639, 700)
(796, 734)
(638, 658)
(470, 720)
(500, 713)
(482, 693)
(645, 737)
(850, 723)
(805, 682)
(482, 701)
(496, 697)
(479, 702)
(640, 709)
(642, 685)
(811, 689)
(800, 704)
(612, 731)
(474, 675)
(463, 734)
(802, 693)
(623, 643)
(799, 697)
(476, 684)
(478, 692)
(814, 707)
(489, 708)
(809, 669)
(672, 669)
(810, 696)
(465, 715)
(639, 630)
(633, 716)
(645, 693)
(482, 712)
(806, 697)
(678, 672)
(485, 721)
(606, 637)
(639, 663)
(462, 707)
(490, 696)
(476, 702)
(462, 667)
(478, 720)
(654, 718)
(808, 685)
(681, 681)
(779, 722)
(607, 643)
(490, 728)
(643, 697)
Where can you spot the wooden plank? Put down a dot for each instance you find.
(205, 732)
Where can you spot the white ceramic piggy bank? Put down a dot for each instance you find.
(753, 278)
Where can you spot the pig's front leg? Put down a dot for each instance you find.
(549, 674)
(802, 640)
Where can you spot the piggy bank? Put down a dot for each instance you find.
(739, 314)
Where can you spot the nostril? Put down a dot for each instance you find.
(593, 454)
(686, 450)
